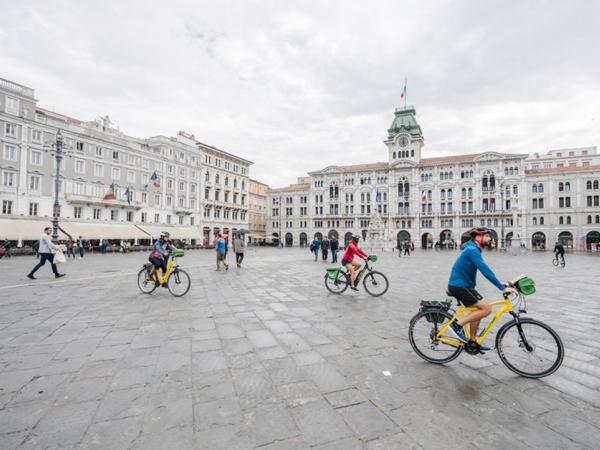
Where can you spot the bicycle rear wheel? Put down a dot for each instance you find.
(339, 284)
(555, 262)
(179, 282)
(376, 283)
(529, 348)
(422, 330)
(145, 281)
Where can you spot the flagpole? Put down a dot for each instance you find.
(405, 93)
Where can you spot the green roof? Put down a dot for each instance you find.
(405, 122)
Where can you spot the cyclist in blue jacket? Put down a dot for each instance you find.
(463, 281)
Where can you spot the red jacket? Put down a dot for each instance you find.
(353, 250)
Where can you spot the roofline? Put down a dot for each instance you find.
(259, 182)
(227, 153)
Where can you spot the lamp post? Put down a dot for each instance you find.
(280, 217)
(59, 155)
(502, 215)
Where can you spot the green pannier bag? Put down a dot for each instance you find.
(526, 286)
(177, 253)
(332, 272)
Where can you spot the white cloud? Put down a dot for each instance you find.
(295, 86)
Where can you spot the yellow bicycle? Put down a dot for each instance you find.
(175, 279)
(526, 346)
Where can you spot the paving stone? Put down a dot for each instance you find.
(217, 413)
(367, 421)
(123, 403)
(114, 434)
(315, 417)
(21, 417)
(298, 394)
(345, 397)
(269, 423)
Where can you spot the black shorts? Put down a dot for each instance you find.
(345, 262)
(465, 296)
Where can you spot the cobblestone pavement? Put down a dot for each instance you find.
(265, 357)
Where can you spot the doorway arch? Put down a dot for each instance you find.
(426, 240)
(566, 239)
(333, 234)
(319, 235)
(538, 241)
(303, 239)
(275, 238)
(347, 238)
(402, 237)
(465, 237)
(592, 240)
(446, 238)
(289, 240)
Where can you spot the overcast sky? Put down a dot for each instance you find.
(297, 86)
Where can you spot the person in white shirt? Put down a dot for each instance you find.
(47, 250)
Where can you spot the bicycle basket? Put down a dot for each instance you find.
(372, 258)
(434, 308)
(177, 253)
(333, 272)
(526, 286)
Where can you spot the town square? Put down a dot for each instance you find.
(299, 225)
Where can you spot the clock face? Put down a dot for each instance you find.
(403, 141)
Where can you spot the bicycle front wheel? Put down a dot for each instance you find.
(376, 283)
(145, 281)
(422, 332)
(339, 284)
(179, 282)
(530, 348)
(555, 262)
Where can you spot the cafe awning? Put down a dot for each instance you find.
(24, 229)
(154, 230)
(94, 230)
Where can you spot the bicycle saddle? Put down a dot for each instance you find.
(449, 294)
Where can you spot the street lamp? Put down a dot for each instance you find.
(59, 153)
(502, 215)
(280, 217)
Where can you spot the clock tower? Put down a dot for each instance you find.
(405, 138)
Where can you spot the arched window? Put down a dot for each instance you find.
(534, 188)
(394, 155)
(595, 184)
(470, 192)
(515, 190)
(588, 184)
(235, 182)
(463, 193)
(449, 194)
(511, 171)
(217, 178)
(506, 171)
(540, 187)
(541, 221)
(412, 153)
(567, 187)
(597, 219)
(462, 173)
(589, 219)
(568, 220)
(534, 221)
(470, 174)
(516, 170)
(560, 220)
(561, 187)
(226, 181)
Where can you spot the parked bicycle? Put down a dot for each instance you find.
(175, 279)
(337, 279)
(526, 346)
(559, 260)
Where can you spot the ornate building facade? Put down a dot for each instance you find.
(112, 186)
(530, 199)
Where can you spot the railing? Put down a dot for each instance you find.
(28, 92)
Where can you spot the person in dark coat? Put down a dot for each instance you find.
(334, 247)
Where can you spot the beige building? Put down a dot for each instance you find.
(258, 211)
(112, 186)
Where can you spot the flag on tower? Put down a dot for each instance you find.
(423, 196)
(403, 94)
(378, 197)
(110, 195)
(128, 195)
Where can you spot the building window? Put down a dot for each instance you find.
(8, 179)
(34, 183)
(115, 155)
(10, 130)
(79, 166)
(7, 206)
(33, 209)
(99, 152)
(157, 218)
(98, 170)
(12, 105)
(131, 176)
(10, 152)
(116, 173)
(114, 214)
(96, 213)
(169, 219)
(77, 212)
(129, 216)
(36, 158)
(79, 146)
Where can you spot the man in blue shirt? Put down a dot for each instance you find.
(221, 248)
(462, 284)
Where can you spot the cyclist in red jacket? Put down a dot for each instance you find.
(348, 259)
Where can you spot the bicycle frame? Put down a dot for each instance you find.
(360, 273)
(505, 305)
(162, 278)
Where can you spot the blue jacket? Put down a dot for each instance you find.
(464, 270)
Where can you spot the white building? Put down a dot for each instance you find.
(158, 183)
(436, 200)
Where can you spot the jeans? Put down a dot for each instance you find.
(239, 257)
(334, 256)
(43, 258)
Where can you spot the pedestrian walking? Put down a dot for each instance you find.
(315, 246)
(334, 246)
(80, 247)
(399, 247)
(226, 239)
(36, 249)
(238, 248)
(406, 249)
(324, 248)
(47, 251)
(70, 249)
(7, 249)
(220, 247)
(412, 246)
